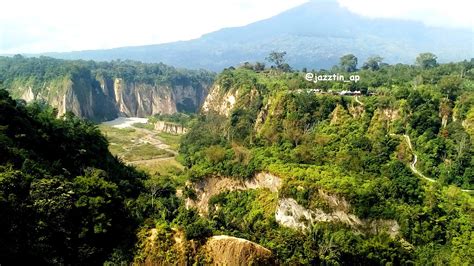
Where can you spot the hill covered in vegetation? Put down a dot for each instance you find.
(341, 183)
(64, 199)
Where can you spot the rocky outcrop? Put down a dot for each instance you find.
(219, 101)
(290, 214)
(212, 186)
(158, 247)
(228, 250)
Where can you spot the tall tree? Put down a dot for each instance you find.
(277, 58)
(426, 60)
(348, 62)
(450, 86)
(373, 63)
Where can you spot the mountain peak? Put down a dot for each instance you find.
(314, 35)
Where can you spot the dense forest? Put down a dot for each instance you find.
(45, 69)
(67, 200)
(64, 199)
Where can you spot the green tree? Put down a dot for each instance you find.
(348, 62)
(373, 63)
(277, 58)
(426, 60)
(450, 86)
(259, 66)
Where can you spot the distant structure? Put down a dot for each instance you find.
(341, 93)
(350, 93)
(171, 128)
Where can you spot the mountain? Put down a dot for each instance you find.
(315, 35)
(103, 91)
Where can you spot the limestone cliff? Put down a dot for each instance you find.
(219, 101)
(70, 94)
(143, 99)
(104, 99)
(105, 90)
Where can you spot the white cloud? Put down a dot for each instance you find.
(49, 25)
(31, 26)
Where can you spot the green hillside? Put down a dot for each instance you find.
(352, 149)
(64, 199)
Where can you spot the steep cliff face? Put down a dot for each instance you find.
(71, 94)
(105, 90)
(219, 101)
(142, 99)
(104, 99)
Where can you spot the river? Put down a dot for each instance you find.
(124, 122)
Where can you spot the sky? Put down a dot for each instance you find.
(32, 26)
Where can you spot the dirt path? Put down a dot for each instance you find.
(416, 171)
(356, 98)
(154, 160)
(152, 138)
(415, 160)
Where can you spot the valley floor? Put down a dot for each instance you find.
(147, 149)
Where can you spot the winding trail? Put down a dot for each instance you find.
(416, 171)
(151, 138)
(415, 160)
(415, 157)
(356, 98)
